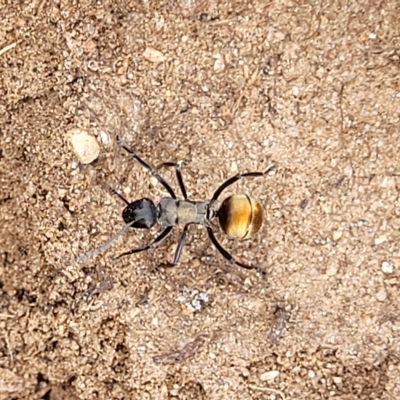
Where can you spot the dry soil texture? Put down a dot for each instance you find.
(311, 86)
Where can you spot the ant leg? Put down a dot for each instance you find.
(178, 172)
(158, 240)
(180, 246)
(227, 255)
(151, 170)
(236, 178)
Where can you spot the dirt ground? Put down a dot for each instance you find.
(313, 87)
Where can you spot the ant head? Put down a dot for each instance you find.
(240, 216)
(143, 213)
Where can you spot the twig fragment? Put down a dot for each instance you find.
(7, 48)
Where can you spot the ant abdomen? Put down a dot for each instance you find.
(240, 216)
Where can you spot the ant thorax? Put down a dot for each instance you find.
(182, 212)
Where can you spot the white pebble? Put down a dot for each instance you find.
(153, 55)
(74, 165)
(85, 146)
(387, 267)
(337, 380)
(379, 240)
(234, 167)
(105, 138)
(219, 64)
(153, 181)
(381, 295)
(269, 375)
(30, 189)
(337, 235)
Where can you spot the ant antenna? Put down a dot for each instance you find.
(105, 246)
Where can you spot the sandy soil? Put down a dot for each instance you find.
(313, 87)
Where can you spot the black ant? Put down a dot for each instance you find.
(239, 215)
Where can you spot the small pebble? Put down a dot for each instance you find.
(337, 235)
(379, 240)
(332, 269)
(219, 64)
(74, 165)
(381, 295)
(85, 146)
(30, 189)
(269, 375)
(387, 267)
(234, 167)
(153, 55)
(154, 181)
(105, 138)
(366, 319)
(337, 380)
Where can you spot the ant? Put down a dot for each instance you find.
(239, 215)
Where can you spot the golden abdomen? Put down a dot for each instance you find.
(240, 216)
